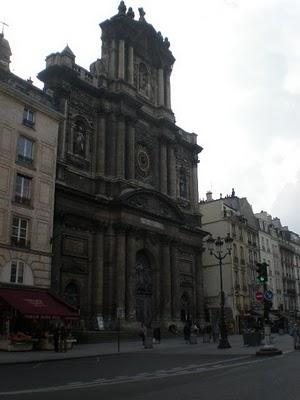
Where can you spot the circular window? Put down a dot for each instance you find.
(143, 161)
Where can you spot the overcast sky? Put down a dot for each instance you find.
(235, 82)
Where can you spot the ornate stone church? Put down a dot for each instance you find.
(127, 238)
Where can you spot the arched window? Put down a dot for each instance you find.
(80, 139)
(72, 294)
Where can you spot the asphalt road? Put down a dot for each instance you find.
(148, 376)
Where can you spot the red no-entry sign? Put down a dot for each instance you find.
(259, 296)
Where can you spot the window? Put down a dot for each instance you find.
(242, 255)
(250, 256)
(25, 150)
(20, 232)
(17, 272)
(233, 230)
(23, 189)
(28, 117)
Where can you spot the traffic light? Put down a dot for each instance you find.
(262, 272)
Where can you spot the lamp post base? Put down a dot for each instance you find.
(224, 344)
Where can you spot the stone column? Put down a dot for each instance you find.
(161, 89)
(175, 278)
(121, 66)
(130, 65)
(64, 107)
(199, 285)
(195, 183)
(120, 269)
(109, 274)
(100, 160)
(112, 60)
(172, 172)
(163, 168)
(131, 151)
(111, 159)
(120, 156)
(98, 273)
(166, 280)
(130, 277)
(168, 90)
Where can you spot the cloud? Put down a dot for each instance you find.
(286, 205)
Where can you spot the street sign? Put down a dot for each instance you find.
(269, 295)
(259, 296)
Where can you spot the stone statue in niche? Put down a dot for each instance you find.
(79, 140)
(143, 79)
(143, 275)
(182, 184)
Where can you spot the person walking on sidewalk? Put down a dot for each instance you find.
(143, 333)
(187, 332)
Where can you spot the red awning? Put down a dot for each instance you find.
(34, 303)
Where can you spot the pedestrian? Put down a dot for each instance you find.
(156, 335)
(215, 332)
(296, 335)
(142, 333)
(56, 338)
(63, 339)
(187, 332)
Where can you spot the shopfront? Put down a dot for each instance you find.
(29, 317)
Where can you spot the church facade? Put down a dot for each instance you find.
(127, 238)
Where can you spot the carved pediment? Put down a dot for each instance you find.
(153, 203)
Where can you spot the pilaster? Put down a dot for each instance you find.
(163, 168)
(121, 66)
(130, 65)
(120, 156)
(130, 277)
(100, 160)
(131, 151)
(161, 89)
(172, 172)
(165, 279)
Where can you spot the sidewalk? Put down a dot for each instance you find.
(173, 346)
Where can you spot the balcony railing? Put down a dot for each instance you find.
(25, 159)
(20, 242)
(22, 200)
(29, 123)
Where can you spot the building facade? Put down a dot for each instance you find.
(231, 215)
(127, 240)
(270, 254)
(28, 142)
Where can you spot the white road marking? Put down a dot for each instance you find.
(159, 374)
(36, 365)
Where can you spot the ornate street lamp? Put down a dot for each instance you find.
(215, 247)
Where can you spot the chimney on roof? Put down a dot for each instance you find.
(209, 196)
